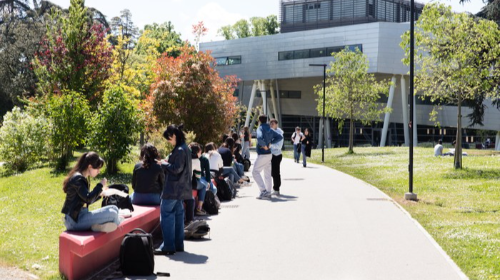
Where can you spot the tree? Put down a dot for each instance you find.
(256, 26)
(75, 55)
(124, 26)
(162, 37)
(457, 59)
(199, 30)
(189, 90)
(351, 92)
(115, 127)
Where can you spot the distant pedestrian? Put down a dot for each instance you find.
(246, 143)
(306, 142)
(296, 137)
(265, 137)
(438, 149)
(276, 159)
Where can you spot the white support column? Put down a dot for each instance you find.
(388, 114)
(279, 101)
(320, 138)
(250, 103)
(264, 97)
(255, 117)
(273, 99)
(404, 101)
(497, 142)
(328, 134)
(415, 136)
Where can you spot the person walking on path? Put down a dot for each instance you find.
(296, 137)
(265, 137)
(178, 169)
(276, 159)
(306, 142)
(246, 143)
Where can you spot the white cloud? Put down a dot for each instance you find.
(214, 16)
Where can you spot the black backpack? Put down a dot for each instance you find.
(121, 202)
(246, 164)
(137, 254)
(224, 192)
(210, 205)
(196, 230)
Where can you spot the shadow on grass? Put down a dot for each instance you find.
(473, 174)
(366, 154)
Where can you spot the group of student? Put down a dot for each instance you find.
(302, 143)
(178, 184)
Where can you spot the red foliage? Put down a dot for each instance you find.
(189, 90)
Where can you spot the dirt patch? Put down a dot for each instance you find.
(12, 273)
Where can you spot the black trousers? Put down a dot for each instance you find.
(275, 171)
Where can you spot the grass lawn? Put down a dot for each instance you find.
(31, 219)
(459, 208)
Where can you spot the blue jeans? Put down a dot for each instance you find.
(213, 188)
(296, 153)
(304, 161)
(240, 169)
(145, 198)
(202, 190)
(86, 219)
(231, 173)
(246, 150)
(172, 225)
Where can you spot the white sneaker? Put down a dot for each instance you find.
(262, 194)
(276, 193)
(106, 227)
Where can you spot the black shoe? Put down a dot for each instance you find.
(163, 253)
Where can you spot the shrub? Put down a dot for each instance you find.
(164, 148)
(115, 127)
(23, 139)
(68, 114)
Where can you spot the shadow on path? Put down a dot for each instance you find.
(190, 258)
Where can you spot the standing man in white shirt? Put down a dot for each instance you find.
(276, 160)
(296, 137)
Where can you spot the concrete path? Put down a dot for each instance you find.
(326, 225)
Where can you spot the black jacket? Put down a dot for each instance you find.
(307, 143)
(78, 195)
(148, 180)
(179, 174)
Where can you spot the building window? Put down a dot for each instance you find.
(292, 94)
(319, 52)
(228, 60)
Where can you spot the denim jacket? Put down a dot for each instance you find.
(178, 174)
(276, 148)
(266, 136)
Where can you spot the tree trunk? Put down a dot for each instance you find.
(458, 144)
(351, 136)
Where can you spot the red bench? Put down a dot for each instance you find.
(84, 253)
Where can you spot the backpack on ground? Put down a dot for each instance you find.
(224, 191)
(119, 201)
(232, 187)
(246, 164)
(196, 230)
(137, 254)
(210, 204)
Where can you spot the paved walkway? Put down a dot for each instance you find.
(327, 225)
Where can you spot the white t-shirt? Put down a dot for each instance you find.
(438, 150)
(296, 137)
(196, 165)
(215, 160)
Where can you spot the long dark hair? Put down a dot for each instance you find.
(149, 155)
(89, 158)
(171, 130)
(230, 144)
(195, 149)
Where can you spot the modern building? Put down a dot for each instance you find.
(275, 71)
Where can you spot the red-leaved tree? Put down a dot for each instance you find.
(75, 55)
(189, 90)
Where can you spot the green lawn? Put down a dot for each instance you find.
(31, 219)
(459, 208)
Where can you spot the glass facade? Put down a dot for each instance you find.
(228, 60)
(318, 52)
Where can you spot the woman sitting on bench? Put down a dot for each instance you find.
(78, 197)
(148, 178)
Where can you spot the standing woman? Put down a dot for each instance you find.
(306, 146)
(177, 189)
(246, 143)
(148, 178)
(79, 197)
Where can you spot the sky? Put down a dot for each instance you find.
(214, 13)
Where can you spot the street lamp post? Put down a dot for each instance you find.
(323, 118)
(410, 195)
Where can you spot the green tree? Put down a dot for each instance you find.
(227, 32)
(75, 55)
(162, 37)
(189, 90)
(115, 127)
(351, 93)
(256, 26)
(272, 25)
(242, 29)
(457, 60)
(68, 114)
